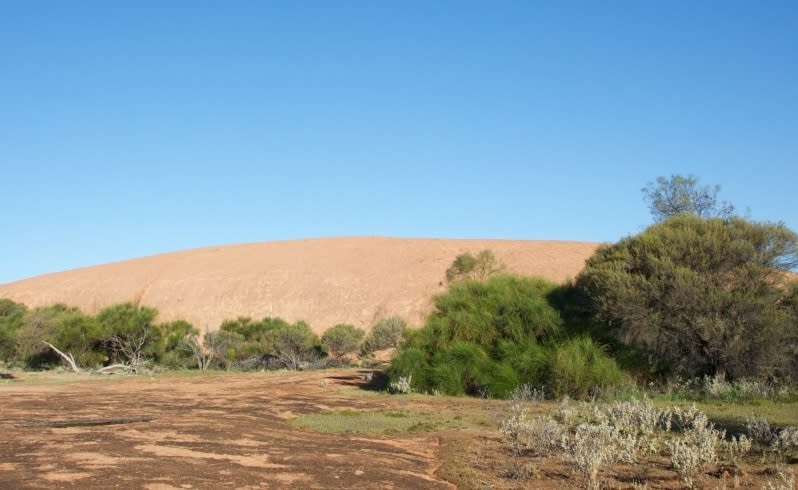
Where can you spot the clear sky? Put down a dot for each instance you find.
(130, 128)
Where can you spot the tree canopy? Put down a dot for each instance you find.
(699, 296)
(678, 195)
(467, 266)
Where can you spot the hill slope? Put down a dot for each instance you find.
(323, 281)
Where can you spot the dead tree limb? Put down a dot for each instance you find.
(67, 357)
(116, 367)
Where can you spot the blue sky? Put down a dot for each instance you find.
(134, 128)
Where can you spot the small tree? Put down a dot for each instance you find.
(128, 330)
(699, 296)
(294, 343)
(481, 267)
(385, 334)
(342, 339)
(678, 195)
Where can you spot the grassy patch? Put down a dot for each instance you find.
(732, 415)
(374, 422)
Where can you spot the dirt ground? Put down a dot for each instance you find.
(234, 431)
(217, 431)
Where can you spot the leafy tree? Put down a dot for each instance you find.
(699, 296)
(385, 334)
(128, 331)
(678, 194)
(481, 267)
(342, 339)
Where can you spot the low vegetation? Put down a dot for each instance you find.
(593, 438)
(127, 337)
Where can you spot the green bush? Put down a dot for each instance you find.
(462, 368)
(294, 345)
(577, 365)
(168, 349)
(65, 327)
(342, 339)
(385, 334)
(489, 338)
(481, 267)
(11, 315)
(699, 296)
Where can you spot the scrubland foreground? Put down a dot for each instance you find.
(322, 429)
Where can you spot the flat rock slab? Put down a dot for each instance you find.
(215, 431)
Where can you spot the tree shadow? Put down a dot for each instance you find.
(365, 379)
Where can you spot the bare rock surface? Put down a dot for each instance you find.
(322, 281)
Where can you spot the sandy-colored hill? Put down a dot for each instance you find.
(322, 281)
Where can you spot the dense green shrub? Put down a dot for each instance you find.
(578, 365)
(11, 315)
(699, 296)
(168, 349)
(488, 338)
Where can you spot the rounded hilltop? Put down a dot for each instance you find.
(322, 281)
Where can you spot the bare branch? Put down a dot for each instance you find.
(67, 357)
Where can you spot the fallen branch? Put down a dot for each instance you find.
(116, 367)
(67, 357)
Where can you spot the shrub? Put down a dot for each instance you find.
(577, 366)
(481, 267)
(698, 446)
(385, 334)
(541, 436)
(65, 327)
(294, 344)
(785, 441)
(342, 339)
(167, 349)
(595, 446)
(461, 369)
(699, 296)
(489, 338)
(11, 315)
(758, 429)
